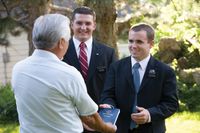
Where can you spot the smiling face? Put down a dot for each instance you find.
(83, 26)
(139, 45)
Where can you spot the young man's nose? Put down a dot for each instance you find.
(83, 26)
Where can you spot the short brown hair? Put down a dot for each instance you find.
(84, 10)
(142, 26)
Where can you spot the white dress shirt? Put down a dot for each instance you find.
(88, 49)
(143, 65)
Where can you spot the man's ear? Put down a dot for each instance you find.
(151, 43)
(95, 25)
(61, 43)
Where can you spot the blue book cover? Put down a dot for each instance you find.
(109, 114)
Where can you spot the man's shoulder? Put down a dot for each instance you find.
(160, 64)
(68, 68)
(22, 63)
(122, 61)
(102, 45)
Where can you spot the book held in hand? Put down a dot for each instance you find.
(109, 114)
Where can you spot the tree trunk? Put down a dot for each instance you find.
(106, 16)
(35, 9)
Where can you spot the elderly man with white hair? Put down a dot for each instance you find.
(51, 95)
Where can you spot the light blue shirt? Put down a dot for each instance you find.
(50, 95)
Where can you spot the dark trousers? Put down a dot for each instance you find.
(132, 131)
(139, 131)
(147, 128)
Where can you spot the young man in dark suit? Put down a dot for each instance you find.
(146, 95)
(88, 56)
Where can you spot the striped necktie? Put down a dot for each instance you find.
(83, 60)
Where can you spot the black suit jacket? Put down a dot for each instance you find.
(158, 94)
(101, 58)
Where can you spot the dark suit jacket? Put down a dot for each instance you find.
(101, 58)
(158, 94)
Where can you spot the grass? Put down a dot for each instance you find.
(185, 122)
(9, 128)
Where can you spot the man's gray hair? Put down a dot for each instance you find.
(49, 29)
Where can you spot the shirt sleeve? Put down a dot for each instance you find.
(83, 102)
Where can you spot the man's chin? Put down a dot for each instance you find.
(83, 39)
(135, 57)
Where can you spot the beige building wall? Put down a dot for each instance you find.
(17, 50)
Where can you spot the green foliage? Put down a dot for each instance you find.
(7, 24)
(8, 110)
(9, 128)
(175, 19)
(189, 96)
(189, 93)
(180, 19)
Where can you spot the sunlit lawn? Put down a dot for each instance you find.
(184, 123)
(9, 128)
(179, 123)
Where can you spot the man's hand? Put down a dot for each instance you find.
(112, 126)
(105, 106)
(95, 122)
(87, 127)
(142, 116)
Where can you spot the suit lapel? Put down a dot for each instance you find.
(131, 93)
(94, 57)
(72, 56)
(128, 73)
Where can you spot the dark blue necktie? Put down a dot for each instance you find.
(136, 81)
(136, 76)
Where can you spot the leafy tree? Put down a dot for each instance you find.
(22, 13)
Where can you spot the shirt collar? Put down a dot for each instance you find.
(143, 63)
(45, 54)
(77, 43)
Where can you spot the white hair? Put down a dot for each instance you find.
(49, 29)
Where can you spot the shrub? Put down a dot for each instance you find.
(8, 112)
(189, 96)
